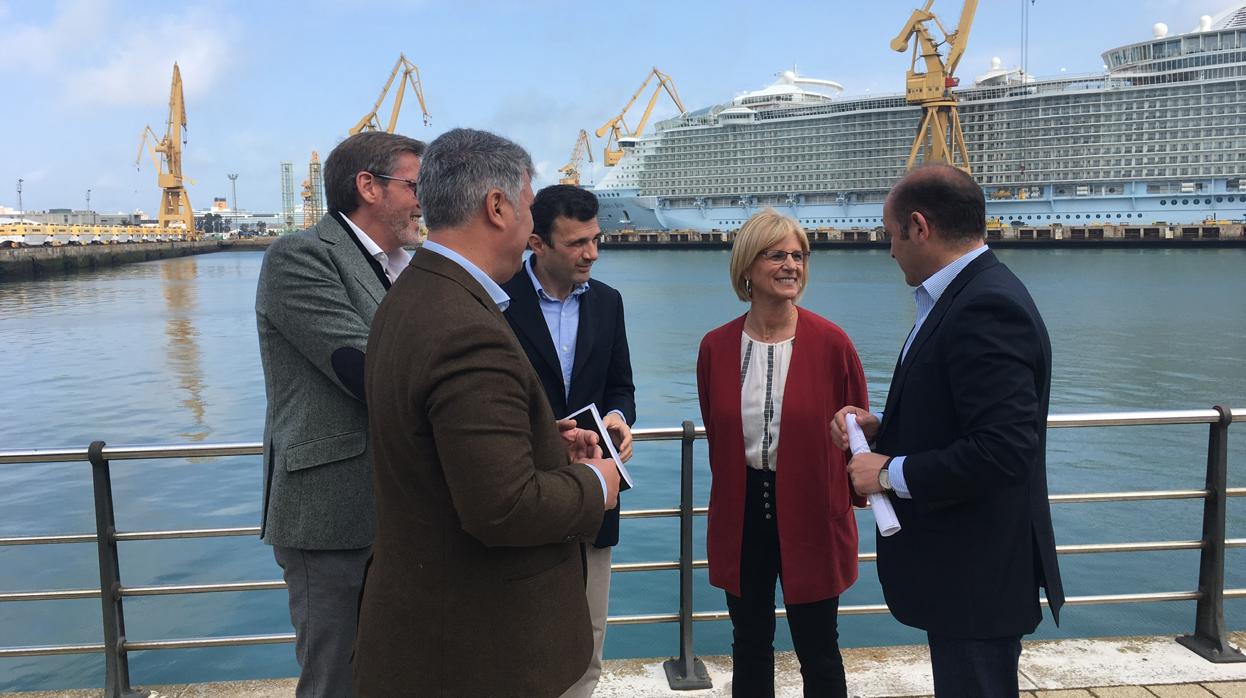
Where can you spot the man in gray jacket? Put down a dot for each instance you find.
(317, 292)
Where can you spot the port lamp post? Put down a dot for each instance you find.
(233, 183)
(21, 212)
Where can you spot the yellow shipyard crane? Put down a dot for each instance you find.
(620, 134)
(410, 76)
(571, 170)
(939, 137)
(175, 209)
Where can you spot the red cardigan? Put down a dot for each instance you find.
(817, 528)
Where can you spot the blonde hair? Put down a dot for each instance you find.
(765, 229)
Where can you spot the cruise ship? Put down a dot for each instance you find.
(1158, 137)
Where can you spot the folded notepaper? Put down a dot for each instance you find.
(884, 513)
(589, 418)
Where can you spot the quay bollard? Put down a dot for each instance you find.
(686, 673)
(116, 662)
(1210, 640)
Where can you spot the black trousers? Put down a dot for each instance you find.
(974, 668)
(814, 626)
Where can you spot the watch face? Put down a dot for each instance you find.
(884, 479)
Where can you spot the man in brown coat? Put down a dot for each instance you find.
(476, 587)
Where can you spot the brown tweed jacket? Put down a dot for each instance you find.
(476, 586)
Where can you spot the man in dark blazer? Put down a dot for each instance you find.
(476, 587)
(316, 295)
(961, 448)
(571, 327)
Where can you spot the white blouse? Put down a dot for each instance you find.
(763, 373)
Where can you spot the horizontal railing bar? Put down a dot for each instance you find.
(641, 619)
(1131, 598)
(189, 533)
(665, 434)
(659, 513)
(49, 540)
(171, 589)
(655, 566)
(1153, 495)
(648, 513)
(48, 650)
(252, 448)
(1142, 547)
(193, 642)
(868, 609)
(50, 595)
(1132, 418)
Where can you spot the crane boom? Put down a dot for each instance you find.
(175, 211)
(617, 127)
(939, 135)
(410, 76)
(571, 170)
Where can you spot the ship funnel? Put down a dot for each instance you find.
(1204, 23)
(1160, 30)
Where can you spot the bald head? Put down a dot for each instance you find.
(950, 199)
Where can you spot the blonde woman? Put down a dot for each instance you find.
(769, 383)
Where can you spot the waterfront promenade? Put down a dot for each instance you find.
(1153, 667)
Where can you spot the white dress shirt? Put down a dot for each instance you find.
(392, 262)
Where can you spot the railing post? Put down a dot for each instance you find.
(688, 672)
(116, 663)
(1210, 640)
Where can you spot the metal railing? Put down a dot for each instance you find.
(1209, 638)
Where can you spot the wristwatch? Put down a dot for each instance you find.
(884, 476)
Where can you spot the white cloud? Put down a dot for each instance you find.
(98, 54)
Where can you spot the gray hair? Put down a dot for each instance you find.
(461, 167)
(370, 151)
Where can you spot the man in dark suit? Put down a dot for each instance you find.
(571, 327)
(961, 448)
(476, 587)
(316, 295)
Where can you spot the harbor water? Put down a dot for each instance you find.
(165, 352)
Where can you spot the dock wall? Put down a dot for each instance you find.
(29, 262)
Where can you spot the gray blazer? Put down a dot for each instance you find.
(316, 296)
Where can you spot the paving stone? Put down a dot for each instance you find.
(1185, 690)
(1227, 689)
(1122, 692)
(1065, 693)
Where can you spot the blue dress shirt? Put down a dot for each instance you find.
(926, 296)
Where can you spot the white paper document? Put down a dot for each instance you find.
(884, 513)
(589, 418)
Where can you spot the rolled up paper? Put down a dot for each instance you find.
(884, 513)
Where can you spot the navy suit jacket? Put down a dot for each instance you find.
(602, 372)
(968, 409)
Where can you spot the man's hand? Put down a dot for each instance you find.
(581, 444)
(610, 474)
(865, 419)
(620, 434)
(863, 469)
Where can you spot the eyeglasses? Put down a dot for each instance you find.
(778, 256)
(409, 182)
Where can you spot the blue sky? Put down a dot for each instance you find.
(269, 81)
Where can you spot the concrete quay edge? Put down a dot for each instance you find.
(1131, 667)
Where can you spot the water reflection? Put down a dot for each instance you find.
(179, 281)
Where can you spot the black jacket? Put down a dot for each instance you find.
(968, 409)
(602, 372)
